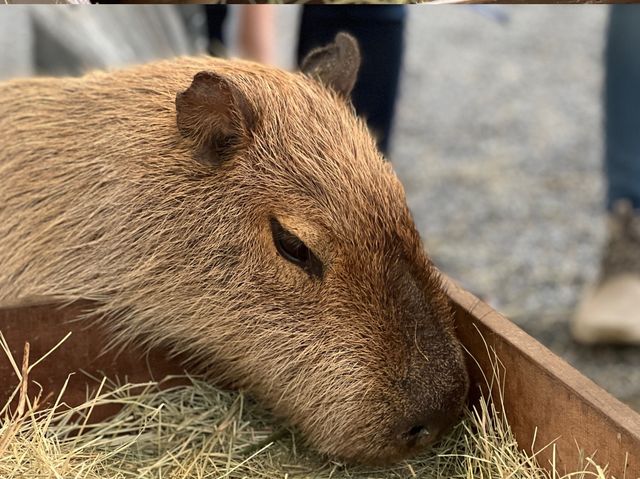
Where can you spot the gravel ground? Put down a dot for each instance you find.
(498, 143)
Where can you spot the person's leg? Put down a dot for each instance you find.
(216, 15)
(609, 310)
(379, 30)
(622, 106)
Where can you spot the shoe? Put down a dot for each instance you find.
(609, 311)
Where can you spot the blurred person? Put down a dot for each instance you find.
(46, 40)
(256, 31)
(609, 311)
(379, 30)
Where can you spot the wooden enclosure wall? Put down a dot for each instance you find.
(545, 396)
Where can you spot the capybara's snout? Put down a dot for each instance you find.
(434, 387)
(428, 399)
(427, 422)
(417, 430)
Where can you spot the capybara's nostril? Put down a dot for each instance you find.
(417, 431)
(424, 429)
(415, 434)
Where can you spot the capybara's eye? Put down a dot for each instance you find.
(293, 249)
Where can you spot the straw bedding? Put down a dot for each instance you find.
(194, 430)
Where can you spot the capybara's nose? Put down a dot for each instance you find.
(415, 436)
(421, 430)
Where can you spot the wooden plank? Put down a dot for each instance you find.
(43, 325)
(542, 391)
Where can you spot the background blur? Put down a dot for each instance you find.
(498, 140)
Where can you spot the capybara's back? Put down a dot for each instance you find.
(243, 215)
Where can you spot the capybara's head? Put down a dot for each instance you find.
(243, 215)
(340, 322)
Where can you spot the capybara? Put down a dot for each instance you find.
(241, 214)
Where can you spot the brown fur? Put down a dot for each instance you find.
(101, 199)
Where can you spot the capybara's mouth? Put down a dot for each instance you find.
(394, 453)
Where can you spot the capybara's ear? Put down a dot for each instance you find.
(335, 65)
(217, 115)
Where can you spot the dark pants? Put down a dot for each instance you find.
(216, 15)
(379, 30)
(622, 105)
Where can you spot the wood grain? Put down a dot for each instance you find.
(546, 397)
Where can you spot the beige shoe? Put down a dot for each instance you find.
(609, 311)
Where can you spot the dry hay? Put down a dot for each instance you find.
(195, 430)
